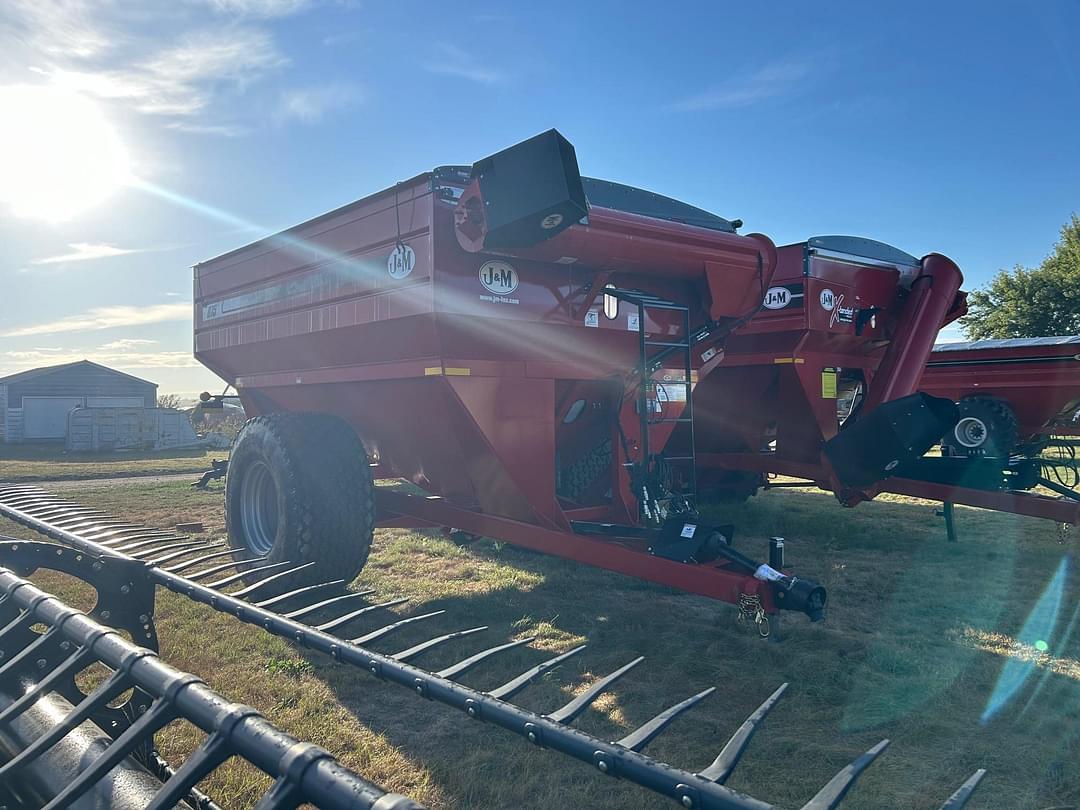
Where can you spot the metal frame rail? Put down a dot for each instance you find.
(93, 531)
(33, 670)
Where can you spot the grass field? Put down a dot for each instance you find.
(923, 637)
(48, 462)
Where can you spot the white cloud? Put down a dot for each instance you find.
(180, 80)
(64, 28)
(127, 343)
(770, 81)
(106, 318)
(222, 130)
(451, 60)
(309, 105)
(85, 251)
(14, 361)
(259, 8)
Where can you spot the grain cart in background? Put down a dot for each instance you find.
(811, 388)
(517, 341)
(1014, 395)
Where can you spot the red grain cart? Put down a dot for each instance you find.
(842, 330)
(516, 341)
(1013, 394)
(846, 320)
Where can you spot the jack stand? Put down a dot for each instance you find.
(950, 523)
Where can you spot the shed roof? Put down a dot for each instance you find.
(46, 370)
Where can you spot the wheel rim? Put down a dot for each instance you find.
(971, 432)
(259, 508)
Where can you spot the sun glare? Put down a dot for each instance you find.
(59, 155)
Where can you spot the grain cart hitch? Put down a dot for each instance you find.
(61, 747)
(183, 566)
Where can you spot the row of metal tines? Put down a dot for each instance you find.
(212, 566)
(62, 763)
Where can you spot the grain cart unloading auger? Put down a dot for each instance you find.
(517, 341)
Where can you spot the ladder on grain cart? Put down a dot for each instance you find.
(664, 484)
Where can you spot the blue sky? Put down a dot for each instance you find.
(933, 126)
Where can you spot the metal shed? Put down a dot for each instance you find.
(34, 404)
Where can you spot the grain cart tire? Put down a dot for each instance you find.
(987, 427)
(299, 489)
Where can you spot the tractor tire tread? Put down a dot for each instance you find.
(326, 483)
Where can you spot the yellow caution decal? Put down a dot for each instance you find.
(828, 383)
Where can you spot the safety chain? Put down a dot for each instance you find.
(751, 610)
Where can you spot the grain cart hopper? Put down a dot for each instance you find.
(516, 341)
(826, 383)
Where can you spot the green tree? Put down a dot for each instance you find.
(1031, 302)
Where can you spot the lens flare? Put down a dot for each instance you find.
(1038, 627)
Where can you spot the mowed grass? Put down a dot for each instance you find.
(20, 463)
(923, 639)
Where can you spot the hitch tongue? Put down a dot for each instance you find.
(791, 593)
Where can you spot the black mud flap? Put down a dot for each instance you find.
(891, 436)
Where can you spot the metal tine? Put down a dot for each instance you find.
(282, 795)
(300, 613)
(511, 688)
(35, 502)
(108, 529)
(830, 796)
(424, 646)
(74, 663)
(61, 512)
(111, 689)
(725, 763)
(186, 544)
(140, 540)
(213, 752)
(960, 799)
(470, 662)
(69, 511)
(160, 714)
(340, 621)
(229, 580)
(643, 735)
(145, 536)
(30, 649)
(175, 569)
(130, 547)
(34, 495)
(390, 628)
(213, 569)
(195, 547)
(24, 619)
(240, 594)
(277, 600)
(579, 704)
(72, 524)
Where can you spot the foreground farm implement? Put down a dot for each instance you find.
(202, 571)
(62, 748)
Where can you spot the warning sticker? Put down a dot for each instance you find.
(828, 383)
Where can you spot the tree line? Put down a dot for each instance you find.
(1031, 301)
